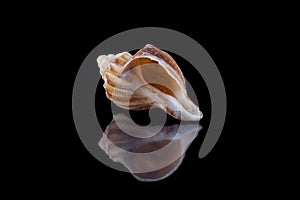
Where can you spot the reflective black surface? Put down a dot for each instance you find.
(153, 156)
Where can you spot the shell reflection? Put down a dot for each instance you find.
(147, 158)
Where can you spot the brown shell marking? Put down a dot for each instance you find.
(134, 63)
(122, 60)
(153, 51)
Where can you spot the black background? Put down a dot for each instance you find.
(57, 162)
(228, 162)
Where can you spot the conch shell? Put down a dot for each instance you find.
(150, 78)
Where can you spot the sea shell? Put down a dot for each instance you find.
(150, 78)
(148, 159)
